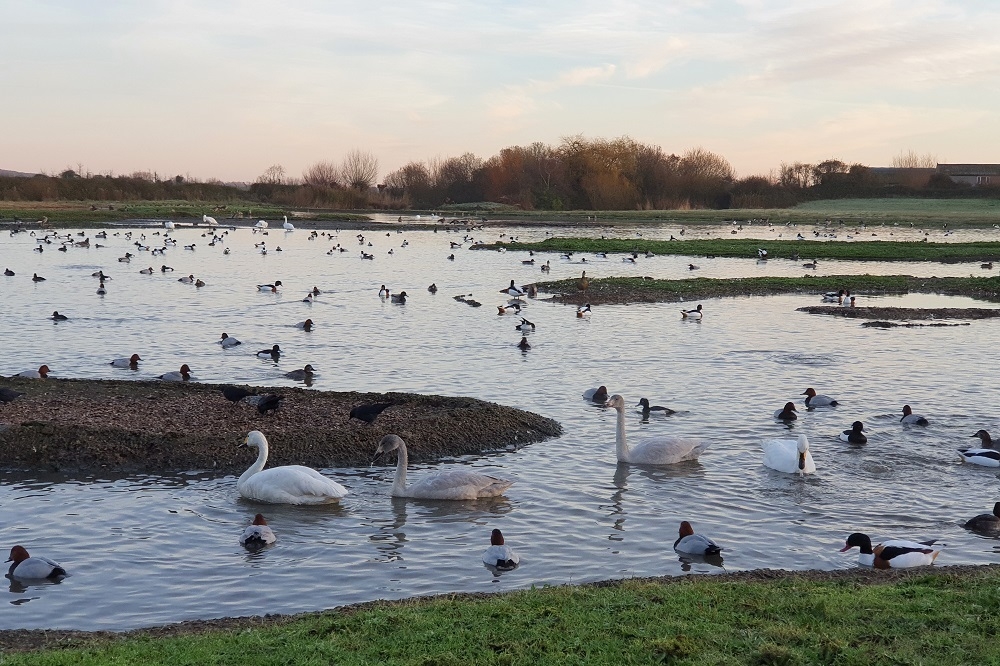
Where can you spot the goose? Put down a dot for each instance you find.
(855, 435)
(304, 373)
(516, 292)
(26, 567)
(287, 226)
(131, 362)
(690, 543)
(786, 413)
(665, 450)
(273, 352)
(892, 554)
(228, 342)
(812, 400)
(291, 484)
(546, 267)
(450, 484)
(583, 311)
(273, 288)
(257, 534)
(583, 282)
(500, 556)
(58, 317)
(646, 409)
(985, 455)
(692, 314)
(399, 298)
(985, 522)
(383, 293)
(183, 375)
(599, 394)
(913, 419)
(41, 373)
(306, 325)
(789, 456)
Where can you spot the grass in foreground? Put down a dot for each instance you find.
(923, 617)
(641, 290)
(747, 248)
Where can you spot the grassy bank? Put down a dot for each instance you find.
(776, 249)
(642, 290)
(939, 616)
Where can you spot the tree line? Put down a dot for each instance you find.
(577, 174)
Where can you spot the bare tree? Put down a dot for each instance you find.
(273, 175)
(321, 174)
(360, 169)
(910, 160)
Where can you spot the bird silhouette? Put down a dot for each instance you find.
(367, 413)
(234, 393)
(269, 402)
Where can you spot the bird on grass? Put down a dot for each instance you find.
(269, 402)
(368, 413)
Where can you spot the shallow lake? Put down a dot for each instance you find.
(146, 550)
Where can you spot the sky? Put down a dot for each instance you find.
(224, 88)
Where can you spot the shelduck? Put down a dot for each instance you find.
(892, 554)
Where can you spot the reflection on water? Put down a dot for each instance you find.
(145, 550)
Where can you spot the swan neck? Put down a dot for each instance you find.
(399, 484)
(620, 446)
(258, 465)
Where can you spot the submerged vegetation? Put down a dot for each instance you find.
(647, 290)
(857, 617)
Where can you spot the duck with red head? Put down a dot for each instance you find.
(690, 543)
(813, 400)
(257, 534)
(787, 413)
(500, 556)
(892, 554)
(41, 373)
(132, 362)
(182, 376)
(912, 419)
(26, 567)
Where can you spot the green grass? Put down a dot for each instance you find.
(927, 617)
(747, 248)
(637, 289)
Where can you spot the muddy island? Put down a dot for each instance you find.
(143, 426)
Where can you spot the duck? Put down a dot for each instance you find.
(433, 288)
(692, 314)
(41, 373)
(985, 522)
(274, 352)
(855, 435)
(449, 484)
(693, 267)
(599, 394)
(690, 543)
(306, 325)
(383, 293)
(786, 413)
(833, 296)
(812, 264)
(664, 450)
(646, 409)
(513, 306)
(583, 311)
(227, 342)
(257, 534)
(273, 288)
(583, 282)
(199, 283)
(290, 484)
(189, 247)
(789, 455)
(812, 400)
(189, 279)
(985, 455)
(913, 419)
(35, 277)
(26, 567)
(892, 554)
(166, 269)
(499, 555)
(512, 290)
(131, 362)
(183, 375)
(304, 373)
(399, 298)
(101, 289)
(147, 271)
(58, 317)
(308, 298)
(8, 272)
(525, 326)
(524, 345)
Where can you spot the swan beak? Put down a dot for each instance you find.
(802, 461)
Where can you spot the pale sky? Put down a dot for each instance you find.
(226, 88)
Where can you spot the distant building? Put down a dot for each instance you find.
(971, 174)
(908, 177)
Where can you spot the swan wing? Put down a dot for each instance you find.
(782, 455)
(291, 484)
(458, 485)
(666, 450)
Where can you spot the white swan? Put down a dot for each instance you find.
(499, 555)
(291, 484)
(789, 455)
(261, 225)
(288, 226)
(209, 220)
(452, 484)
(665, 450)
